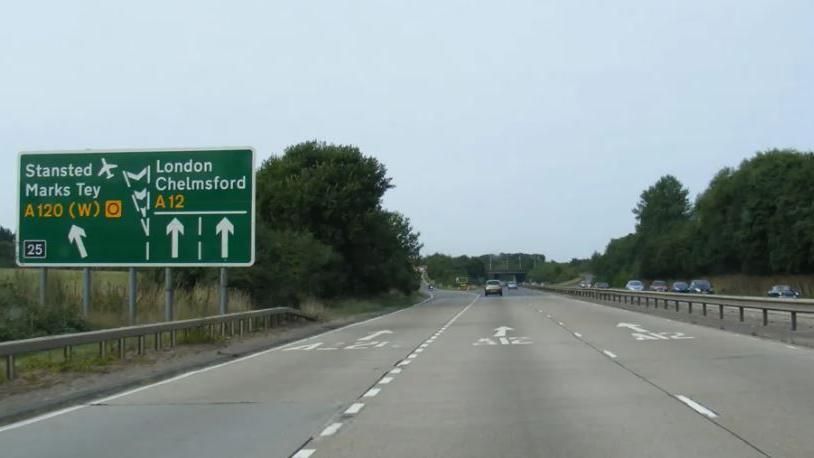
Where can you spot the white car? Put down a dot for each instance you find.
(493, 287)
(511, 285)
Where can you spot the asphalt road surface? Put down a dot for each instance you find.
(524, 375)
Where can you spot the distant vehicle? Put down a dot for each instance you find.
(680, 287)
(784, 291)
(493, 287)
(634, 285)
(432, 287)
(601, 285)
(659, 285)
(701, 287)
(511, 285)
(582, 284)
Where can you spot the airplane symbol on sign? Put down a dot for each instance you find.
(106, 169)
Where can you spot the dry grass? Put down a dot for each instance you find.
(109, 296)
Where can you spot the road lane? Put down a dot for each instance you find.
(505, 380)
(759, 388)
(266, 405)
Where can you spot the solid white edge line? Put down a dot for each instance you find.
(371, 392)
(696, 406)
(331, 430)
(304, 453)
(355, 408)
(385, 380)
(609, 354)
(57, 413)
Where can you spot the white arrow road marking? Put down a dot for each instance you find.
(173, 229)
(501, 331)
(376, 334)
(632, 326)
(224, 229)
(75, 236)
(697, 407)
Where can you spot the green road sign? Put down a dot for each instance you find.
(136, 208)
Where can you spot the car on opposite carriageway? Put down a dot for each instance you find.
(659, 286)
(784, 291)
(511, 285)
(634, 285)
(680, 287)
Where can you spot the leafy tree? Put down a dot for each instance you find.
(6, 247)
(327, 200)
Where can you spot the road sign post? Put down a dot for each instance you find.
(156, 208)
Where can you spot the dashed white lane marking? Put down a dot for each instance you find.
(424, 345)
(561, 323)
(355, 408)
(396, 371)
(578, 335)
(371, 393)
(418, 350)
(609, 354)
(404, 363)
(696, 406)
(331, 430)
(412, 356)
(791, 347)
(304, 453)
(107, 399)
(385, 380)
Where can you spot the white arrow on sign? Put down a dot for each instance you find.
(632, 326)
(173, 229)
(224, 228)
(376, 334)
(501, 331)
(75, 236)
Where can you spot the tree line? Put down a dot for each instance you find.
(445, 269)
(757, 218)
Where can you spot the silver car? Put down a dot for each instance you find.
(634, 285)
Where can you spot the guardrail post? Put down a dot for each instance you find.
(157, 341)
(102, 349)
(639, 300)
(704, 305)
(86, 290)
(132, 288)
(67, 353)
(10, 372)
(141, 345)
(740, 313)
(43, 285)
(173, 338)
(240, 327)
(266, 323)
(224, 292)
(689, 307)
(793, 321)
(122, 348)
(720, 312)
(170, 296)
(765, 317)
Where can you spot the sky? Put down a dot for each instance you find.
(509, 126)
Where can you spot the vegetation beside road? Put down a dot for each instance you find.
(756, 219)
(322, 235)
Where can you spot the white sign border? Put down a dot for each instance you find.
(136, 150)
